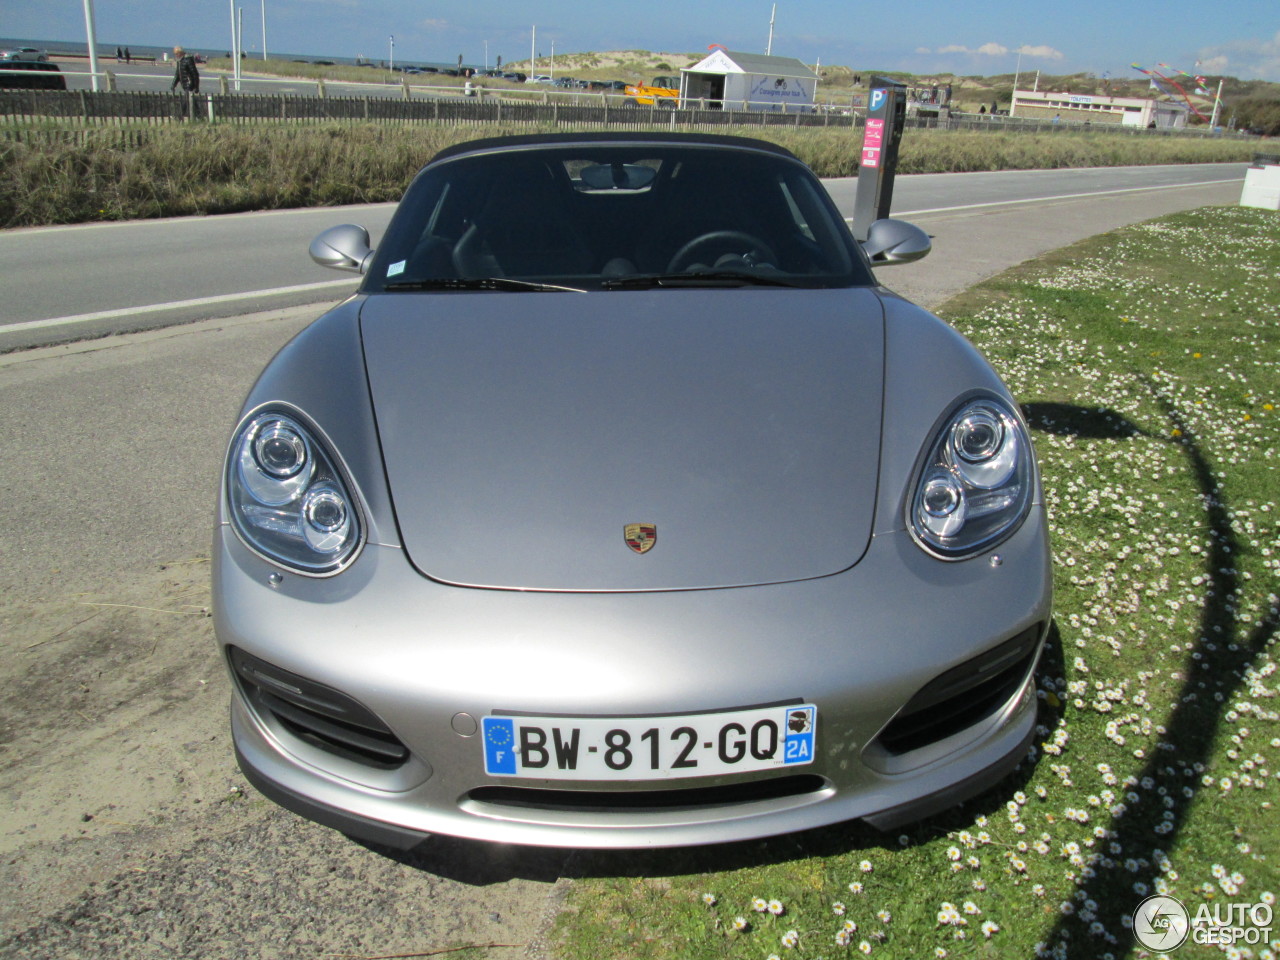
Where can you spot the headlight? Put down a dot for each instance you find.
(976, 483)
(287, 498)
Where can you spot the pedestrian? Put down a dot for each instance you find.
(127, 57)
(119, 55)
(185, 72)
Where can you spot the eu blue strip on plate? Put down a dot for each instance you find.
(499, 745)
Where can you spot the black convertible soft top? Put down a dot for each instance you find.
(559, 139)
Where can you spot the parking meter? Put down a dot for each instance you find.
(886, 115)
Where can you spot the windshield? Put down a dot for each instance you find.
(616, 216)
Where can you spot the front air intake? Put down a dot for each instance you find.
(316, 714)
(964, 695)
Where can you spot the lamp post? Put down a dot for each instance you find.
(392, 54)
(1217, 107)
(264, 29)
(1013, 97)
(235, 48)
(91, 31)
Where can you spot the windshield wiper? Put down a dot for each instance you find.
(480, 283)
(705, 278)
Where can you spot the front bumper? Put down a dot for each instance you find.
(431, 660)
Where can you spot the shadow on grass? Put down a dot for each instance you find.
(1169, 781)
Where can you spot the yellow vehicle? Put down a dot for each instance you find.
(664, 91)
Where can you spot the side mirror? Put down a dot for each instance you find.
(895, 241)
(344, 247)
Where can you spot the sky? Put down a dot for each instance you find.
(1239, 38)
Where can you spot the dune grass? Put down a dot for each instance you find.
(51, 173)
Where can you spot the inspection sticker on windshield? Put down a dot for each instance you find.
(395, 269)
(649, 748)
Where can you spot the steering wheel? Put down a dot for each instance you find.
(757, 250)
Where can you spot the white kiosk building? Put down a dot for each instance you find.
(1080, 108)
(748, 81)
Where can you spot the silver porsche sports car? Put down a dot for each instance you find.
(621, 507)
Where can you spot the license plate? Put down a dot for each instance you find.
(649, 748)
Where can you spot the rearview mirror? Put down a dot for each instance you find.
(895, 241)
(617, 176)
(345, 247)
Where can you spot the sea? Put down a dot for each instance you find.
(107, 51)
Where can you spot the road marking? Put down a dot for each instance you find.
(1069, 196)
(173, 305)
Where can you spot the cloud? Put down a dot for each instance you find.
(1047, 53)
(993, 49)
(1250, 59)
(433, 24)
(987, 50)
(923, 50)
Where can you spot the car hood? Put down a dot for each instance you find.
(521, 433)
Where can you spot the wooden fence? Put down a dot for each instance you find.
(97, 109)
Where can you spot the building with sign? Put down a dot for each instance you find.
(748, 81)
(1079, 108)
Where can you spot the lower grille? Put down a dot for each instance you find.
(316, 714)
(622, 801)
(964, 695)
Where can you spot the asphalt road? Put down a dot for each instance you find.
(142, 274)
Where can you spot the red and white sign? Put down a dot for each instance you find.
(872, 142)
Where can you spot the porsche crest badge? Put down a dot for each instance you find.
(640, 537)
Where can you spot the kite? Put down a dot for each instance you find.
(1156, 75)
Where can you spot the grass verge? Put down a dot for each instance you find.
(1148, 362)
(50, 175)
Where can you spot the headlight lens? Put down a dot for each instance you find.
(976, 483)
(287, 498)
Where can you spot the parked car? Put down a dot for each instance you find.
(539, 78)
(24, 54)
(708, 537)
(514, 77)
(31, 75)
